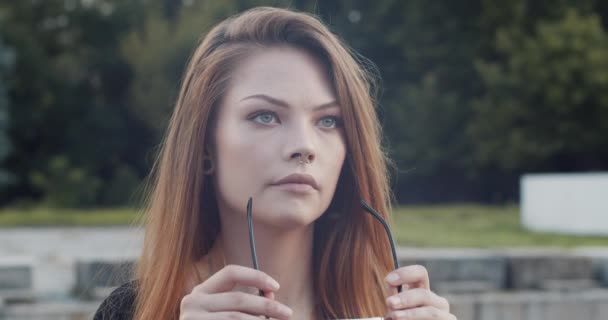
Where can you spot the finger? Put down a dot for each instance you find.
(269, 295)
(232, 275)
(417, 298)
(392, 290)
(416, 276)
(247, 303)
(421, 313)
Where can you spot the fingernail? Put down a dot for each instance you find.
(285, 310)
(273, 284)
(394, 301)
(392, 277)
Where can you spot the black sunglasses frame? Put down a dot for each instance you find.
(367, 208)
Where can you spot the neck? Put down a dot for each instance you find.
(285, 255)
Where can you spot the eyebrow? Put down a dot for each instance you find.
(284, 104)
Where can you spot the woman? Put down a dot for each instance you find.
(272, 108)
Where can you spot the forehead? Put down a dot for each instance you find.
(284, 72)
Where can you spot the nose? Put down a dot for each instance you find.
(300, 144)
(303, 156)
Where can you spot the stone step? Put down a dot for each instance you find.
(16, 278)
(531, 305)
(478, 270)
(97, 277)
(467, 270)
(55, 310)
(545, 271)
(462, 286)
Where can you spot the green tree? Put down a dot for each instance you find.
(69, 93)
(6, 62)
(158, 52)
(546, 100)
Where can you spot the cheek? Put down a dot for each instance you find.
(337, 161)
(232, 146)
(238, 155)
(334, 162)
(339, 150)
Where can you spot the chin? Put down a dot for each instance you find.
(289, 219)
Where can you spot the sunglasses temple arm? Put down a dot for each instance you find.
(254, 256)
(378, 217)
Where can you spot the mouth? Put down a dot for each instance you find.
(295, 187)
(297, 182)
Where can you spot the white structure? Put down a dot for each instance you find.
(573, 203)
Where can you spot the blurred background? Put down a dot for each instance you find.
(476, 97)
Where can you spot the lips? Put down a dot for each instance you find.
(299, 178)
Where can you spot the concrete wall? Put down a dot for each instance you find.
(532, 305)
(567, 203)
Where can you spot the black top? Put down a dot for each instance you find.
(119, 305)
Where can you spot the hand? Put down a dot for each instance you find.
(213, 299)
(416, 301)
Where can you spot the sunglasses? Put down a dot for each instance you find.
(367, 208)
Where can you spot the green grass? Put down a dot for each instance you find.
(424, 226)
(41, 217)
(475, 226)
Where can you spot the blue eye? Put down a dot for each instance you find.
(330, 122)
(265, 117)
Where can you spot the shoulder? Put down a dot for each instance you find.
(119, 305)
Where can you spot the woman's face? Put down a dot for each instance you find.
(280, 108)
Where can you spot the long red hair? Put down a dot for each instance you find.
(351, 254)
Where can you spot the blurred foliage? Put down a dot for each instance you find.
(474, 92)
(65, 185)
(68, 99)
(6, 62)
(546, 103)
(158, 52)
